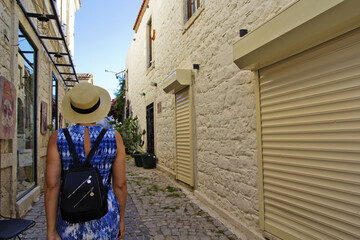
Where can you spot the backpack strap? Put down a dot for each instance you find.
(71, 147)
(95, 146)
(91, 153)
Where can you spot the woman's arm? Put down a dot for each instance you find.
(119, 180)
(52, 186)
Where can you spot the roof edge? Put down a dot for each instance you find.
(140, 15)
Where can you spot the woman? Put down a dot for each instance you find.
(86, 104)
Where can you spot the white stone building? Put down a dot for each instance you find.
(263, 128)
(37, 69)
(85, 77)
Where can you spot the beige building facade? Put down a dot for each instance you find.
(85, 77)
(264, 128)
(36, 70)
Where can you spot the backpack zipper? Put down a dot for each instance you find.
(88, 180)
(90, 191)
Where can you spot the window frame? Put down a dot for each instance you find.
(55, 97)
(194, 13)
(34, 115)
(192, 7)
(149, 45)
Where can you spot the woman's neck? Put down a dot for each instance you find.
(86, 124)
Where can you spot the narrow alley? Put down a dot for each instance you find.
(157, 208)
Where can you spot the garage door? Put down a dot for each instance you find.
(310, 119)
(184, 159)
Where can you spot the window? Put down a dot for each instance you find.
(54, 112)
(26, 115)
(190, 7)
(149, 44)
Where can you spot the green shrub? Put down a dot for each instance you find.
(131, 134)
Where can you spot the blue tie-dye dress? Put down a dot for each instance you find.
(106, 227)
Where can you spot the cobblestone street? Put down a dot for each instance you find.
(156, 209)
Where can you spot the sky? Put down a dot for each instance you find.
(103, 33)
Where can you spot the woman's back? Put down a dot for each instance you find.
(84, 137)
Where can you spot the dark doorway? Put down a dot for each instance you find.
(150, 128)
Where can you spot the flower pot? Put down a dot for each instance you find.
(138, 159)
(149, 161)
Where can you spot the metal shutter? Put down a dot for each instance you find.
(184, 159)
(310, 120)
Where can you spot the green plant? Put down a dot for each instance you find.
(131, 134)
(175, 195)
(155, 188)
(170, 189)
(173, 209)
(50, 127)
(117, 110)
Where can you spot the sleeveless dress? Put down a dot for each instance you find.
(106, 227)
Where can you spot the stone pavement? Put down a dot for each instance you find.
(156, 209)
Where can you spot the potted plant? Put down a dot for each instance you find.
(148, 161)
(138, 159)
(132, 137)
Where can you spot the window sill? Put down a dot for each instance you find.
(190, 22)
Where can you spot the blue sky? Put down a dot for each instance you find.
(103, 33)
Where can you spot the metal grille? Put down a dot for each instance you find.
(310, 112)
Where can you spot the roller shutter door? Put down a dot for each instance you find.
(310, 125)
(184, 159)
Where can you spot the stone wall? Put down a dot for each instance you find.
(7, 186)
(10, 18)
(224, 102)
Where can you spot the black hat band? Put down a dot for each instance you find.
(88, 110)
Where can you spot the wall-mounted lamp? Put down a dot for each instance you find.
(142, 94)
(196, 66)
(58, 55)
(43, 18)
(154, 84)
(243, 32)
(43, 22)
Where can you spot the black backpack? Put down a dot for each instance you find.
(83, 196)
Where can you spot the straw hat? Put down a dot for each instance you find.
(85, 103)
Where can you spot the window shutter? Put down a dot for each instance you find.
(184, 159)
(310, 142)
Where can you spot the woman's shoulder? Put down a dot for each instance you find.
(53, 138)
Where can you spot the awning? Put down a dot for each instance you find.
(178, 80)
(61, 59)
(301, 26)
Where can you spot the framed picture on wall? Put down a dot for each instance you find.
(43, 122)
(7, 113)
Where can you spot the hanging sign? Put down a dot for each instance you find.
(43, 123)
(7, 110)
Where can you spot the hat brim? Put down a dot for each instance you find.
(100, 113)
